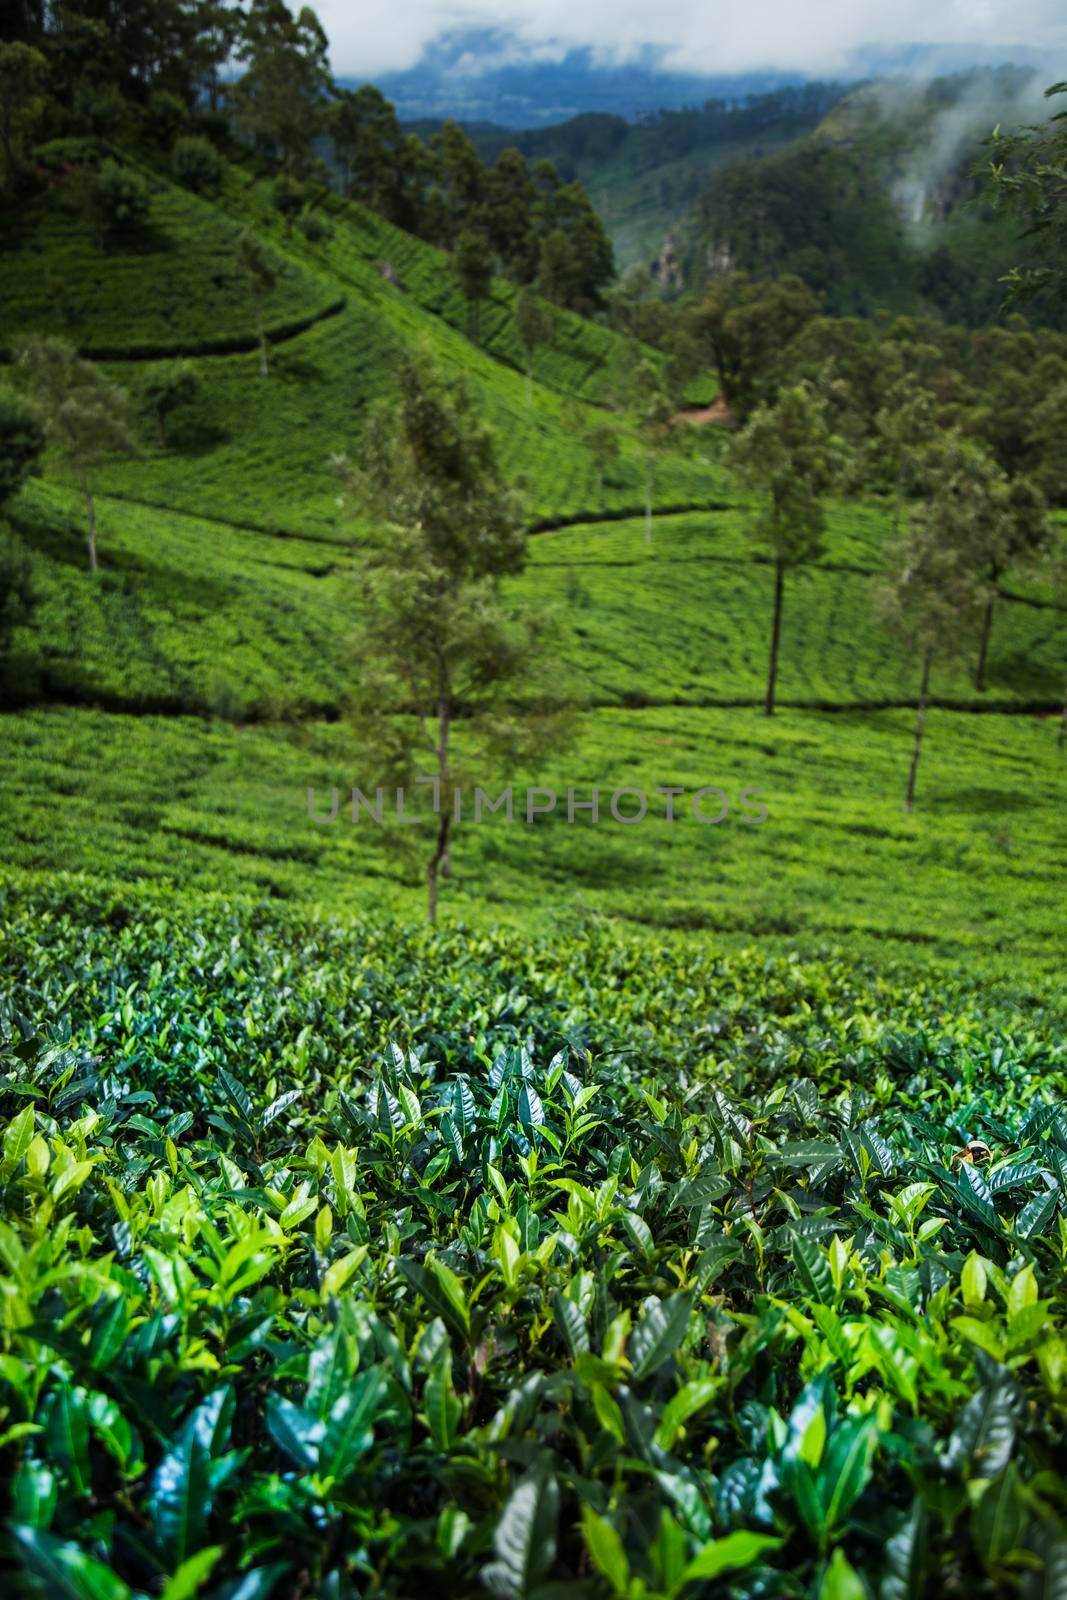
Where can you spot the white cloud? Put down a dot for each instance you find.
(704, 36)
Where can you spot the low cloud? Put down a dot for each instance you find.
(714, 37)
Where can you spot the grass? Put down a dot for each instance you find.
(975, 876)
(199, 678)
(191, 614)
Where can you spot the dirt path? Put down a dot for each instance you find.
(697, 416)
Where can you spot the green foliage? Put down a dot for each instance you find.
(23, 81)
(82, 413)
(196, 164)
(123, 197)
(21, 442)
(1028, 174)
(436, 636)
(186, 295)
(406, 1277)
(17, 594)
(168, 389)
(473, 266)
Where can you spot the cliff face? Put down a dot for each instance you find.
(667, 270)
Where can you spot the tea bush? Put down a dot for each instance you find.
(341, 1260)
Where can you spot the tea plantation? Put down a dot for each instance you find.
(340, 1258)
(687, 1215)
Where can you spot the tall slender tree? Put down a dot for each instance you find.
(259, 271)
(787, 456)
(533, 323)
(472, 263)
(932, 593)
(438, 636)
(82, 412)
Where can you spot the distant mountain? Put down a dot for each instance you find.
(489, 75)
(881, 208)
(642, 176)
(486, 75)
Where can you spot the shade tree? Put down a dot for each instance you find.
(439, 639)
(84, 414)
(788, 459)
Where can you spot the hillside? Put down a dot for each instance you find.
(642, 1174)
(644, 175)
(228, 590)
(880, 208)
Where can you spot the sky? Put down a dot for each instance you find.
(716, 37)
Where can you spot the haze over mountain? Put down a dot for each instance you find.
(545, 62)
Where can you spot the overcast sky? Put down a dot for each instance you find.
(703, 36)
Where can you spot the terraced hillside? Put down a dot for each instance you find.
(684, 1215)
(227, 593)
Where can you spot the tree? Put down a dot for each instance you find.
(1028, 175)
(903, 431)
(82, 412)
(288, 196)
(533, 323)
(602, 443)
(256, 265)
(196, 164)
(17, 597)
(166, 390)
(23, 80)
(655, 414)
(932, 594)
(379, 161)
(437, 636)
(573, 211)
(788, 457)
(511, 197)
(1014, 532)
(21, 442)
(460, 182)
(557, 268)
(123, 197)
(472, 263)
(744, 327)
(281, 98)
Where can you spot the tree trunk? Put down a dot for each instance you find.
(909, 798)
(1062, 740)
(776, 636)
(90, 521)
(264, 369)
(439, 861)
(987, 629)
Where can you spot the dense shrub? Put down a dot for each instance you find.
(21, 442)
(197, 164)
(348, 1260)
(61, 155)
(123, 197)
(314, 227)
(167, 116)
(289, 196)
(17, 596)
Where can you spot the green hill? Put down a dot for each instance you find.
(176, 287)
(684, 1213)
(210, 658)
(643, 176)
(880, 207)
